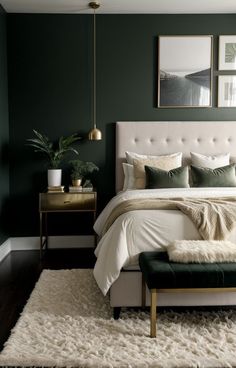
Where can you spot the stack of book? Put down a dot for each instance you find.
(58, 189)
(87, 189)
(75, 189)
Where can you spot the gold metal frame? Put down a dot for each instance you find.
(62, 203)
(154, 293)
(221, 80)
(158, 76)
(221, 42)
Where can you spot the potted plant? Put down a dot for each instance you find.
(81, 170)
(54, 153)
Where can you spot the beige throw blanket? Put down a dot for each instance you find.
(214, 218)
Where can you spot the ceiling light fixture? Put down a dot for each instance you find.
(95, 134)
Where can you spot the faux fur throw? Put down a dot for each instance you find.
(214, 218)
(202, 251)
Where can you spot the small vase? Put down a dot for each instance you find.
(76, 182)
(54, 177)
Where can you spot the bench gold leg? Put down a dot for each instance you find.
(153, 312)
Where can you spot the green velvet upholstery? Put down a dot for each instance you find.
(175, 178)
(160, 273)
(219, 177)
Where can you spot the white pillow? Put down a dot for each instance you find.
(211, 162)
(129, 179)
(130, 156)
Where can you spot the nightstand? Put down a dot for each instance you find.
(63, 202)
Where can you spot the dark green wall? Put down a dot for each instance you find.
(4, 129)
(50, 89)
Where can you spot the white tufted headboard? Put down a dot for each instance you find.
(164, 137)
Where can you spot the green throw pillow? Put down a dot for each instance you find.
(220, 177)
(158, 178)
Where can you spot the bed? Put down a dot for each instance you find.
(157, 138)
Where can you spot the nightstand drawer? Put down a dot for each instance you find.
(67, 202)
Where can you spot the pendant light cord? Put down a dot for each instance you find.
(94, 70)
(94, 134)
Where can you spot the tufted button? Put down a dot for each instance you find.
(183, 140)
(229, 140)
(167, 140)
(214, 140)
(199, 140)
(151, 140)
(136, 140)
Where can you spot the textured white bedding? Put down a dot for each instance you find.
(144, 230)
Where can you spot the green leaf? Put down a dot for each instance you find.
(54, 154)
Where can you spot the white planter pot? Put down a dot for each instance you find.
(54, 177)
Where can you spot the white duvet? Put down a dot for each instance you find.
(144, 230)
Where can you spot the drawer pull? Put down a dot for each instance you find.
(67, 201)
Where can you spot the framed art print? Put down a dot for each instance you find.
(227, 52)
(226, 90)
(184, 71)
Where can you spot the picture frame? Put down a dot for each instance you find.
(185, 71)
(227, 91)
(227, 52)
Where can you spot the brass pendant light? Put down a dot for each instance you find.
(95, 134)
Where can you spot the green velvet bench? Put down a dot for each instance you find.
(162, 275)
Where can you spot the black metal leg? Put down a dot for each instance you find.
(143, 292)
(116, 312)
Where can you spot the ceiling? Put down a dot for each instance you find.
(121, 6)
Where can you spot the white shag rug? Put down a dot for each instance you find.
(68, 323)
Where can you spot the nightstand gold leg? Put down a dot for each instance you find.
(153, 312)
(41, 233)
(46, 231)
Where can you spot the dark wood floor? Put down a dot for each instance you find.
(19, 272)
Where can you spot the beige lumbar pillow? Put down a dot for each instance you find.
(202, 251)
(165, 162)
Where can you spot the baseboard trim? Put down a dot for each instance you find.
(54, 242)
(5, 249)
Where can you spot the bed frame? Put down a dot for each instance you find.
(164, 137)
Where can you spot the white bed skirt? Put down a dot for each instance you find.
(127, 292)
